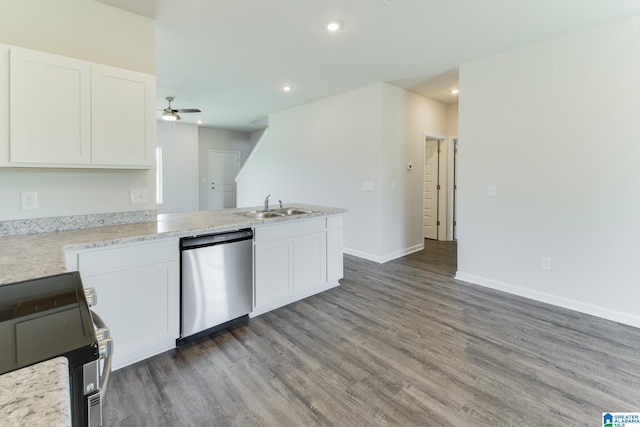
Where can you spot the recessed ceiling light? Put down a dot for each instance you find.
(199, 122)
(286, 88)
(334, 25)
(454, 91)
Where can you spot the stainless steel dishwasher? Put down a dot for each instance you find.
(216, 281)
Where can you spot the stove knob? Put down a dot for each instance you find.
(105, 347)
(103, 333)
(91, 296)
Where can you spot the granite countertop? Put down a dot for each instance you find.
(37, 395)
(29, 256)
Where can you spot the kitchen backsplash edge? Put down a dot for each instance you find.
(73, 222)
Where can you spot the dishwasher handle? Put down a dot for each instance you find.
(187, 243)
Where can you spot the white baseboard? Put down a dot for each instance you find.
(571, 304)
(384, 258)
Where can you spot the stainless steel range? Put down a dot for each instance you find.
(48, 317)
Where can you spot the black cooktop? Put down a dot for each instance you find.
(45, 318)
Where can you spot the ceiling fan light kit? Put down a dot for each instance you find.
(171, 114)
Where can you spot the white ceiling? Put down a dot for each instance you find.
(230, 58)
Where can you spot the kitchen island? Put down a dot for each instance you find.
(30, 256)
(135, 268)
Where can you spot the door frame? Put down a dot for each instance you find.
(452, 230)
(429, 141)
(444, 181)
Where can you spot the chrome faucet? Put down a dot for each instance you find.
(266, 203)
(280, 201)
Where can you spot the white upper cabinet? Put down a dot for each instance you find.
(50, 116)
(65, 112)
(123, 117)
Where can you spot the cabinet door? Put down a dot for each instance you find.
(123, 117)
(141, 308)
(273, 273)
(309, 262)
(50, 109)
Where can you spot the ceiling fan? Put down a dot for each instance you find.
(171, 114)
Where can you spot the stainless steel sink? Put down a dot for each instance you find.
(262, 215)
(276, 213)
(293, 211)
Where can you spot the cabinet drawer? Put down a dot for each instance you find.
(289, 229)
(122, 257)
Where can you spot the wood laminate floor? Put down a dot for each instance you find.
(397, 344)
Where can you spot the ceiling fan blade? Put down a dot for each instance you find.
(187, 110)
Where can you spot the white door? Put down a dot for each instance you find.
(223, 167)
(431, 189)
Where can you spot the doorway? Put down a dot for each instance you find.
(223, 168)
(431, 188)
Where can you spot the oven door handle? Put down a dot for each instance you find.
(106, 368)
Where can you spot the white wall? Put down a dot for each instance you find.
(407, 117)
(555, 127)
(222, 140)
(179, 144)
(452, 120)
(92, 31)
(322, 152)
(84, 29)
(63, 192)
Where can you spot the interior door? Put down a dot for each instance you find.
(431, 189)
(223, 167)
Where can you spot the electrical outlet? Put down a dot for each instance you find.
(28, 200)
(545, 263)
(138, 195)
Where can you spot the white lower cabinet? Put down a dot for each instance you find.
(138, 284)
(309, 262)
(273, 272)
(138, 289)
(293, 260)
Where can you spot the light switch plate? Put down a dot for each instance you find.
(492, 190)
(368, 185)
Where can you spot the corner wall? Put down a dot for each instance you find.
(407, 118)
(322, 153)
(555, 127)
(179, 143)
